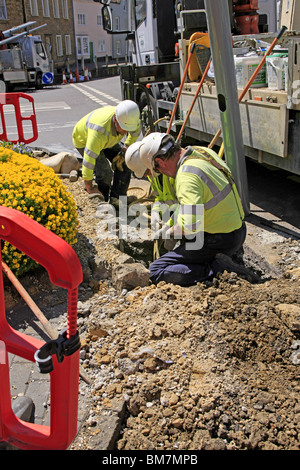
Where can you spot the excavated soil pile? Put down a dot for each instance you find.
(214, 366)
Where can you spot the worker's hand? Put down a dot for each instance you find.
(167, 232)
(119, 160)
(155, 220)
(176, 232)
(162, 233)
(170, 244)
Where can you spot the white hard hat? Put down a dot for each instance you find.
(128, 115)
(133, 161)
(151, 147)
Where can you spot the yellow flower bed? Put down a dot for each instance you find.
(34, 189)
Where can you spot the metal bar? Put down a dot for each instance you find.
(217, 13)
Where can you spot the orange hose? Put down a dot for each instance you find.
(194, 100)
(180, 88)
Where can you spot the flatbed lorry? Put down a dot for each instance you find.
(23, 59)
(160, 34)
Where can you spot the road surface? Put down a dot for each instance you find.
(59, 107)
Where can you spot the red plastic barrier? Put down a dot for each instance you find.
(14, 100)
(65, 271)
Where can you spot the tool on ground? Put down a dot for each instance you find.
(181, 86)
(252, 78)
(72, 176)
(48, 328)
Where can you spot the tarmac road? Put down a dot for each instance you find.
(59, 107)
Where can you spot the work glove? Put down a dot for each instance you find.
(155, 221)
(162, 233)
(167, 236)
(119, 160)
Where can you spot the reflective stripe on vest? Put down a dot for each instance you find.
(189, 210)
(218, 195)
(95, 127)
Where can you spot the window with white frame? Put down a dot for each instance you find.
(78, 46)
(45, 7)
(101, 45)
(117, 23)
(118, 47)
(81, 18)
(55, 9)
(99, 20)
(3, 12)
(65, 10)
(82, 44)
(68, 44)
(34, 8)
(59, 46)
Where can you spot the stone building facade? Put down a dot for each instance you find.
(57, 35)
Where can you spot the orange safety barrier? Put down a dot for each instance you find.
(64, 270)
(14, 100)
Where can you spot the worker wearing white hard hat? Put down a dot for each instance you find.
(152, 145)
(133, 161)
(162, 187)
(209, 219)
(97, 136)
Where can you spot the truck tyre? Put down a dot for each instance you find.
(148, 113)
(39, 82)
(9, 87)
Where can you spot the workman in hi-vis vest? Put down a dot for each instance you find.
(162, 188)
(209, 218)
(97, 137)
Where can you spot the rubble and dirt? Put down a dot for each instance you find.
(214, 366)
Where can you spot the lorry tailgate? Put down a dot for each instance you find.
(264, 124)
(14, 76)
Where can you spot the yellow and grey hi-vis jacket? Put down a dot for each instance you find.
(95, 132)
(207, 195)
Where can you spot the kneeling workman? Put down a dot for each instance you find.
(209, 219)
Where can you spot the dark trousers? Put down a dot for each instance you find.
(110, 183)
(186, 266)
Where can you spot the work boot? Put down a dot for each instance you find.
(98, 196)
(223, 263)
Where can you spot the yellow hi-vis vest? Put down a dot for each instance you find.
(165, 197)
(95, 132)
(204, 180)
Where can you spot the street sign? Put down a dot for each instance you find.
(47, 78)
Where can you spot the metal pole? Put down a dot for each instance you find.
(74, 35)
(218, 21)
